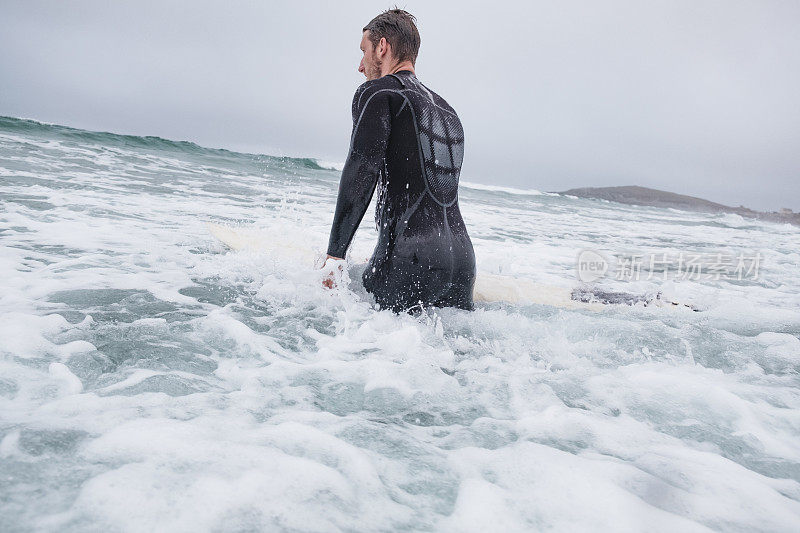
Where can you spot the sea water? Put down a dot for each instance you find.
(152, 380)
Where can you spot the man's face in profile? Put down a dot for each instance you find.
(370, 64)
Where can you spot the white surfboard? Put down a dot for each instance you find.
(488, 287)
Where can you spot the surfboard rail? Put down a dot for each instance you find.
(489, 288)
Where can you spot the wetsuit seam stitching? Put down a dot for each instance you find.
(405, 101)
(361, 115)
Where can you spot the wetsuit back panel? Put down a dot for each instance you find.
(441, 140)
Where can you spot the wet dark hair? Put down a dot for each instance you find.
(399, 29)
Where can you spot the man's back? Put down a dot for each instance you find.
(408, 141)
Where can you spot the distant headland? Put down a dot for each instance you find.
(635, 195)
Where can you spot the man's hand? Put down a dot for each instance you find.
(330, 280)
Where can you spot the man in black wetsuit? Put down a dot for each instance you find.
(408, 142)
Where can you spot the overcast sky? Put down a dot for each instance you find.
(695, 97)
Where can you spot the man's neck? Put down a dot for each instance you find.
(403, 65)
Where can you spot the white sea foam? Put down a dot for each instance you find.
(152, 380)
(502, 188)
(338, 166)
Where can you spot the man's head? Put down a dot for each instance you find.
(389, 39)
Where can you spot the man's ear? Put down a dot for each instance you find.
(383, 47)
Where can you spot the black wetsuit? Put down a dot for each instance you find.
(409, 143)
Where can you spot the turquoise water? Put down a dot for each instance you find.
(151, 379)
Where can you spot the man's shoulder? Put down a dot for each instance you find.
(387, 84)
(384, 82)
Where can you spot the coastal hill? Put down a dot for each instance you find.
(635, 195)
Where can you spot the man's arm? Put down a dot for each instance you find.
(372, 124)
